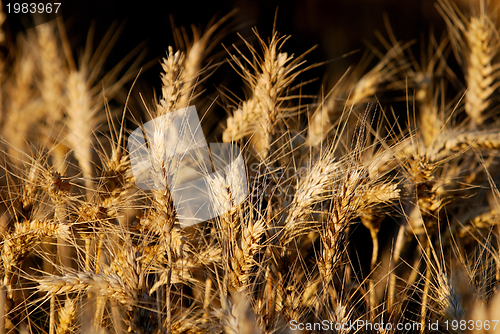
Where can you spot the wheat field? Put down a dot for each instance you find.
(372, 205)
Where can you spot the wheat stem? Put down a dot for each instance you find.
(3, 302)
(52, 324)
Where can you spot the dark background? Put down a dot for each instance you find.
(336, 27)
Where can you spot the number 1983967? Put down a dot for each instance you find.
(32, 8)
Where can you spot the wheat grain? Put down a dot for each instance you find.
(107, 285)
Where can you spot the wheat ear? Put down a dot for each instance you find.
(21, 114)
(268, 79)
(109, 285)
(476, 44)
(80, 121)
(21, 241)
(196, 53)
(310, 190)
(53, 71)
(66, 317)
(239, 316)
